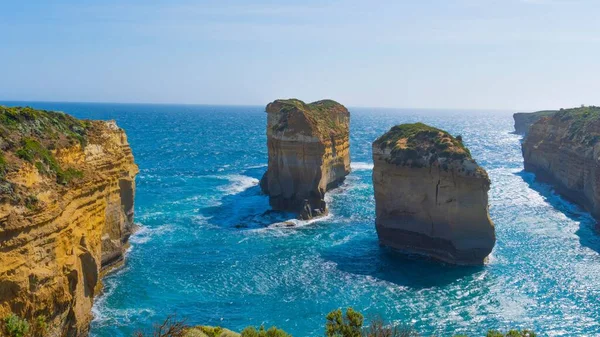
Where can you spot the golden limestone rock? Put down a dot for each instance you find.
(66, 212)
(309, 153)
(431, 197)
(563, 149)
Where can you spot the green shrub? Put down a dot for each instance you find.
(65, 177)
(40, 327)
(378, 328)
(3, 165)
(339, 325)
(511, 333)
(210, 331)
(261, 332)
(31, 202)
(14, 326)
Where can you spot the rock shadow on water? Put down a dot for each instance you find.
(247, 209)
(588, 231)
(400, 268)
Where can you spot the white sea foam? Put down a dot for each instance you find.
(295, 223)
(145, 234)
(238, 183)
(361, 166)
(257, 166)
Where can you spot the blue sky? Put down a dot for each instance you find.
(498, 54)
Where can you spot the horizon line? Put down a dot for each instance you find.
(259, 105)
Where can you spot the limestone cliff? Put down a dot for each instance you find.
(66, 211)
(309, 153)
(564, 150)
(431, 196)
(524, 120)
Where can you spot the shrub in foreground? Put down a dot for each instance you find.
(261, 332)
(338, 324)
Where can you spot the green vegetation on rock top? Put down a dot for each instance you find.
(29, 135)
(47, 125)
(536, 114)
(414, 142)
(322, 115)
(584, 123)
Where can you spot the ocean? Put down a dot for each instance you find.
(208, 251)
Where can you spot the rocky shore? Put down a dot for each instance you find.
(66, 212)
(563, 149)
(431, 196)
(309, 153)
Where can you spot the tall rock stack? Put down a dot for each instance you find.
(431, 197)
(564, 150)
(309, 153)
(66, 212)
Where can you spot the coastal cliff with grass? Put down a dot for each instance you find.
(431, 196)
(66, 212)
(309, 153)
(563, 149)
(524, 120)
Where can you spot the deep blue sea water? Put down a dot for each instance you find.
(199, 169)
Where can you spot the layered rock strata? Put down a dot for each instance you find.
(563, 150)
(524, 120)
(66, 211)
(431, 196)
(309, 153)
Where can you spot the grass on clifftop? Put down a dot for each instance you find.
(29, 135)
(418, 140)
(584, 123)
(321, 114)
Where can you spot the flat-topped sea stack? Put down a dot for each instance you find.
(431, 197)
(66, 211)
(524, 120)
(309, 153)
(563, 150)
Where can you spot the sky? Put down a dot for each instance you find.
(478, 54)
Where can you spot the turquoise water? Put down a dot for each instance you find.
(199, 169)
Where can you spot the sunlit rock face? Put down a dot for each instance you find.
(66, 212)
(563, 149)
(524, 120)
(309, 153)
(431, 197)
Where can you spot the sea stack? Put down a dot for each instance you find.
(309, 153)
(524, 120)
(66, 212)
(563, 149)
(431, 196)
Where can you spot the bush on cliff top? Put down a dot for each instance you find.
(584, 123)
(320, 114)
(30, 135)
(411, 142)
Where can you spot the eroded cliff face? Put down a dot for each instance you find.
(431, 197)
(524, 120)
(66, 211)
(563, 150)
(309, 153)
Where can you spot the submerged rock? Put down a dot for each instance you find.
(431, 196)
(309, 153)
(563, 149)
(66, 213)
(524, 120)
